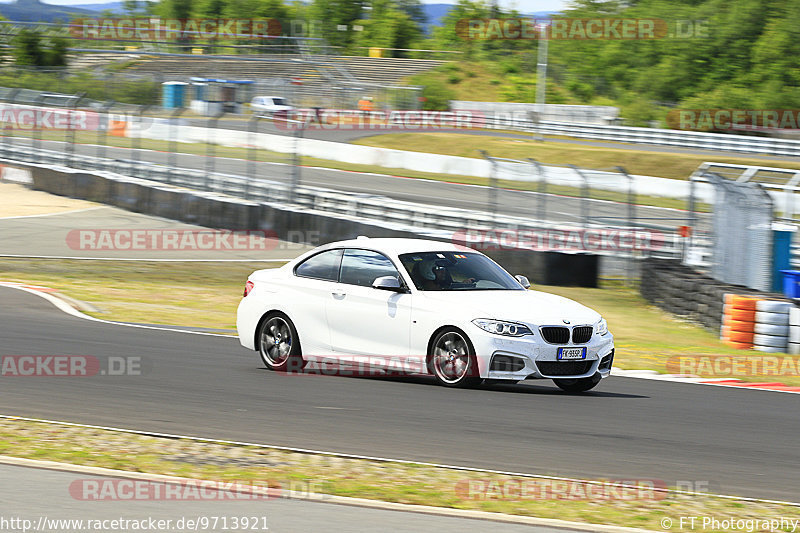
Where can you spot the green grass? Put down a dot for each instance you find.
(412, 484)
(208, 294)
(188, 294)
(641, 162)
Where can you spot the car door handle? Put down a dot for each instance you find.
(337, 294)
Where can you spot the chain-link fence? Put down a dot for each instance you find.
(580, 203)
(742, 224)
(131, 134)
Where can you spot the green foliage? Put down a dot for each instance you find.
(30, 50)
(388, 26)
(718, 53)
(437, 96)
(338, 18)
(122, 90)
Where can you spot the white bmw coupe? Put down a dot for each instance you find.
(436, 307)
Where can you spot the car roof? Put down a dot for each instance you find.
(397, 245)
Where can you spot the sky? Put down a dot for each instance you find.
(524, 6)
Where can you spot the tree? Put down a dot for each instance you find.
(338, 17)
(56, 54)
(388, 26)
(28, 48)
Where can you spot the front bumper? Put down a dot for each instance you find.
(530, 357)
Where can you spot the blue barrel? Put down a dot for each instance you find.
(781, 255)
(173, 94)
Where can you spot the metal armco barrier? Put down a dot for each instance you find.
(652, 136)
(479, 229)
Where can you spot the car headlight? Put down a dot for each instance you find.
(601, 328)
(501, 327)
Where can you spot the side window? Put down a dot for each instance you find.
(321, 266)
(361, 267)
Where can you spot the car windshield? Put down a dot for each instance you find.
(279, 101)
(456, 271)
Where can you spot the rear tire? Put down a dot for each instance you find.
(452, 360)
(578, 385)
(278, 344)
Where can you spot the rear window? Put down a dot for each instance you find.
(362, 267)
(324, 265)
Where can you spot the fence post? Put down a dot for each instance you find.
(631, 219)
(102, 130)
(137, 146)
(173, 118)
(492, 196)
(584, 195)
(37, 136)
(296, 159)
(71, 108)
(210, 150)
(252, 156)
(542, 189)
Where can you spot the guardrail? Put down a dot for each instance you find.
(651, 136)
(479, 228)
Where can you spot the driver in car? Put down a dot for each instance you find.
(436, 276)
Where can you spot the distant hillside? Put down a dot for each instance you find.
(36, 11)
(115, 7)
(436, 13)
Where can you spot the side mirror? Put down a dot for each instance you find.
(388, 283)
(523, 281)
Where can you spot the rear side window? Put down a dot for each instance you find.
(324, 265)
(361, 267)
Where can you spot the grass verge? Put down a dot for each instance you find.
(208, 293)
(183, 294)
(413, 484)
(641, 162)
(201, 149)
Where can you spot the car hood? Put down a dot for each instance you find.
(532, 307)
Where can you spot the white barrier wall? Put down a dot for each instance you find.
(159, 129)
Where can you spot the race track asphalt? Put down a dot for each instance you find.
(733, 441)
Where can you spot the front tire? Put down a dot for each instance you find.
(278, 344)
(578, 385)
(452, 360)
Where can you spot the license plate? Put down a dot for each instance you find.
(572, 353)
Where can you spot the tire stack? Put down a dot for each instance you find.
(738, 322)
(710, 307)
(794, 330)
(680, 290)
(772, 326)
